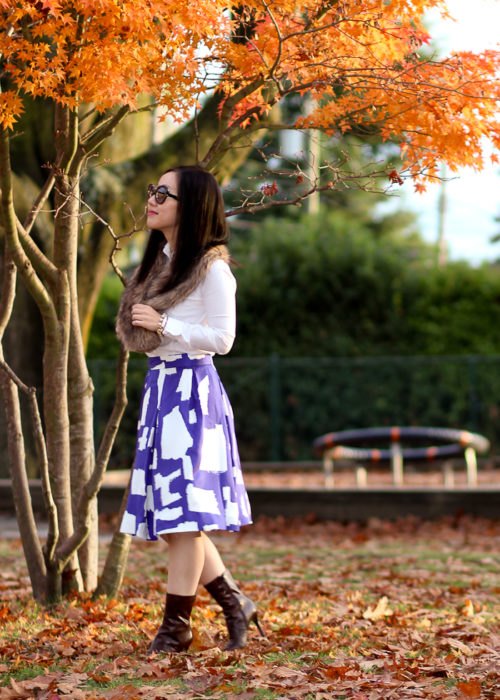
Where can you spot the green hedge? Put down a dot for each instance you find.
(282, 404)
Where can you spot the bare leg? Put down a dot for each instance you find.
(186, 561)
(213, 565)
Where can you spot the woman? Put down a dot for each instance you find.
(179, 308)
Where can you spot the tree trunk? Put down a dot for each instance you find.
(58, 382)
(23, 349)
(116, 559)
(80, 391)
(81, 418)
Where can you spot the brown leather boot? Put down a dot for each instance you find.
(175, 632)
(238, 609)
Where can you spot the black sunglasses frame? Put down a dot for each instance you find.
(161, 193)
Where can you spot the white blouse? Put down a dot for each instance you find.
(204, 323)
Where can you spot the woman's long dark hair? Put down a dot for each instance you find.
(201, 224)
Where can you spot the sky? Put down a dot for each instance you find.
(473, 199)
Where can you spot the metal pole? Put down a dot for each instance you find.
(473, 402)
(397, 463)
(471, 461)
(275, 407)
(328, 471)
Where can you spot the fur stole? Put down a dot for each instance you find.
(149, 292)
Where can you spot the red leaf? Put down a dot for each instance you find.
(471, 689)
(269, 190)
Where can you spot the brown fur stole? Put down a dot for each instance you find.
(149, 292)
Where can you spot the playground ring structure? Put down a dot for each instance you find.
(348, 445)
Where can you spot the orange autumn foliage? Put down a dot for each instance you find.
(360, 60)
(105, 53)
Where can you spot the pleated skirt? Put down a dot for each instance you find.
(187, 473)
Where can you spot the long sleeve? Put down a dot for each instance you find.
(216, 334)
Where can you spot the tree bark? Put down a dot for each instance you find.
(80, 400)
(20, 489)
(17, 460)
(58, 383)
(116, 559)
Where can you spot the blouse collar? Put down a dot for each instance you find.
(167, 250)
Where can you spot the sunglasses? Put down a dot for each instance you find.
(160, 193)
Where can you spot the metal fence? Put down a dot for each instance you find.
(282, 404)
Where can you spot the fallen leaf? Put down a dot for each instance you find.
(471, 689)
(380, 611)
(468, 609)
(459, 646)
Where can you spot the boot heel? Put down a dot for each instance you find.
(255, 619)
(239, 610)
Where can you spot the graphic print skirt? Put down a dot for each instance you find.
(187, 473)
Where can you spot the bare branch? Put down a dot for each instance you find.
(41, 263)
(233, 100)
(280, 41)
(196, 136)
(114, 567)
(39, 202)
(216, 146)
(116, 238)
(8, 292)
(113, 424)
(254, 201)
(93, 138)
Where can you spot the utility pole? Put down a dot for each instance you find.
(442, 252)
(314, 155)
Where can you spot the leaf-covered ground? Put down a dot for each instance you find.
(405, 609)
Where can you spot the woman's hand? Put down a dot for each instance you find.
(145, 316)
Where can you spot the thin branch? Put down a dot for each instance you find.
(70, 164)
(112, 425)
(280, 39)
(251, 208)
(43, 266)
(41, 448)
(39, 202)
(322, 11)
(8, 291)
(196, 137)
(233, 100)
(116, 238)
(93, 138)
(215, 147)
(338, 178)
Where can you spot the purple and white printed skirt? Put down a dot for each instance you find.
(187, 473)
